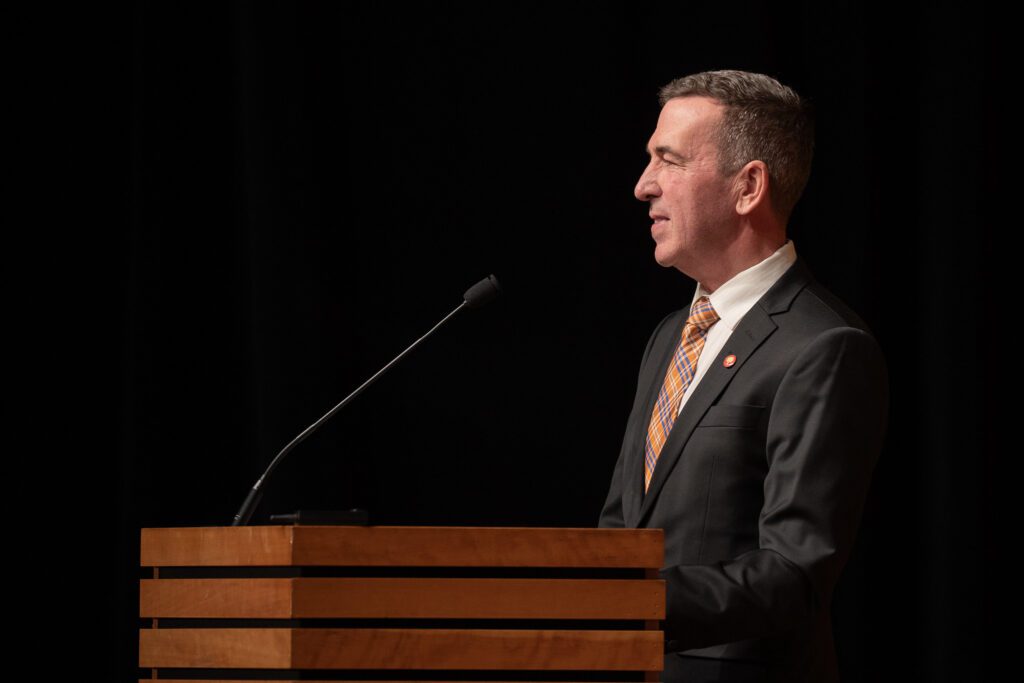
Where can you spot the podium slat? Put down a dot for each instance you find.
(249, 546)
(403, 598)
(341, 546)
(217, 598)
(253, 648)
(454, 649)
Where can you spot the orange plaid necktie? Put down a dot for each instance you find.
(677, 379)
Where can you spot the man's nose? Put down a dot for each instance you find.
(646, 188)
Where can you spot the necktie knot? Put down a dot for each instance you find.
(702, 315)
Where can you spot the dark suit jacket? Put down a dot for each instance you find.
(761, 483)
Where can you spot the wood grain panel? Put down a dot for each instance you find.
(249, 546)
(256, 648)
(453, 649)
(216, 598)
(479, 547)
(402, 546)
(386, 598)
(481, 598)
(476, 649)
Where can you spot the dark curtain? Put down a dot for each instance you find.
(262, 203)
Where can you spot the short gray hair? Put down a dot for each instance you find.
(763, 120)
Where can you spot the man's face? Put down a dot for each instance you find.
(690, 203)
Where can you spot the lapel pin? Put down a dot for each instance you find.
(730, 360)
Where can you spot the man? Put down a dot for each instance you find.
(760, 409)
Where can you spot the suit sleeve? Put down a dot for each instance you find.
(611, 514)
(824, 436)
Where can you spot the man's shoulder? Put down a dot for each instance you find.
(798, 300)
(816, 303)
(797, 304)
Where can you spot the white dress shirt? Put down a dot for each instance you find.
(732, 300)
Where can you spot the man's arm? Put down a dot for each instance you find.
(824, 437)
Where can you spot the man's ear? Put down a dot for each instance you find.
(752, 187)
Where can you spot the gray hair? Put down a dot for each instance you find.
(763, 120)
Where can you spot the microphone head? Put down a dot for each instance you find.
(482, 292)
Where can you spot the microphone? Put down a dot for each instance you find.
(482, 292)
(476, 296)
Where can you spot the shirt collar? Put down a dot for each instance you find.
(735, 297)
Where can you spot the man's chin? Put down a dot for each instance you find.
(671, 261)
(664, 260)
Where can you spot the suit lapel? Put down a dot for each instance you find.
(756, 326)
(633, 495)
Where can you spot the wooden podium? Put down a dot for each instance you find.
(344, 602)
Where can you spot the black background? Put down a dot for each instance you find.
(251, 207)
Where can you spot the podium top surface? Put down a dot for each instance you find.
(401, 546)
